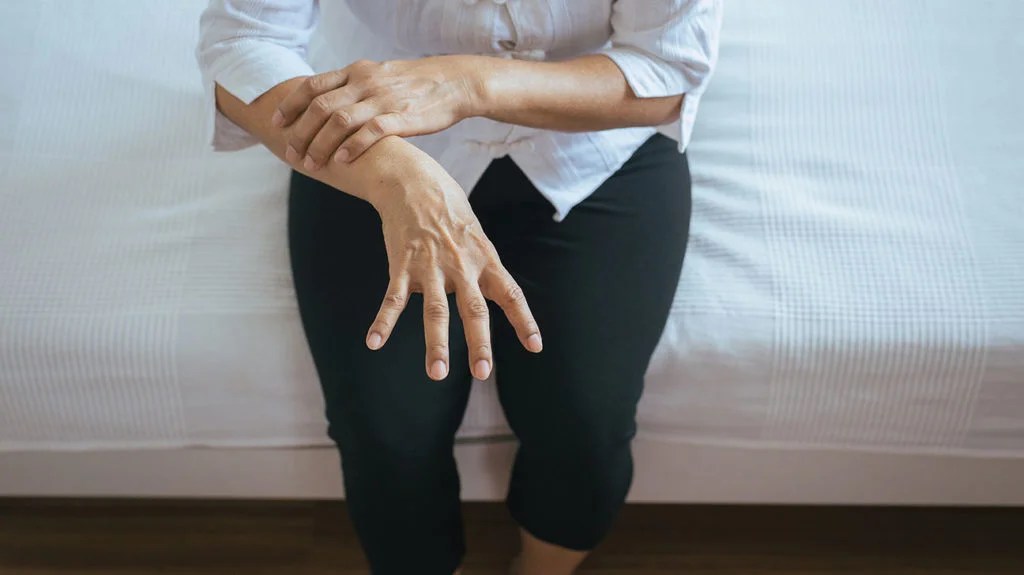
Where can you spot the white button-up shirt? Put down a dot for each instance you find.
(663, 47)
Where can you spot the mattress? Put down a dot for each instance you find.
(854, 279)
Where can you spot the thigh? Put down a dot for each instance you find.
(600, 284)
(340, 272)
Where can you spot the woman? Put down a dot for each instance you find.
(575, 231)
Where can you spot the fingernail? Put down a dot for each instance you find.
(277, 119)
(291, 155)
(374, 341)
(342, 155)
(438, 370)
(534, 343)
(309, 164)
(482, 369)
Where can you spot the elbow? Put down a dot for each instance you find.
(672, 111)
(226, 103)
(657, 111)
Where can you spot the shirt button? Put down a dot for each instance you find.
(535, 55)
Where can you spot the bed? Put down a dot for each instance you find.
(849, 327)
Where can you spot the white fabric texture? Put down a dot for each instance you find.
(666, 47)
(855, 276)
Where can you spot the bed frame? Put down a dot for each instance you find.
(667, 471)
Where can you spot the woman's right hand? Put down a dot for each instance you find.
(436, 246)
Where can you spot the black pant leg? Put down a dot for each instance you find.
(394, 426)
(600, 284)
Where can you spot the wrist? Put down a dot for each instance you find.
(479, 74)
(376, 173)
(401, 173)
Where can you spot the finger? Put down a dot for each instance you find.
(368, 135)
(295, 103)
(312, 120)
(391, 308)
(339, 125)
(500, 288)
(435, 327)
(476, 321)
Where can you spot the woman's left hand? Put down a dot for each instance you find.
(342, 113)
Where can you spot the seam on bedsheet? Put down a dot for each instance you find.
(646, 432)
(291, 443)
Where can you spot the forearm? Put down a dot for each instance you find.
(367, 178)
(583, 94)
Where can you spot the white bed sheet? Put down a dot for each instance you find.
(855, 277)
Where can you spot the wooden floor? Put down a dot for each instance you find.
(63, 537)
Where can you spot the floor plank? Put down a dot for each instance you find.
(190, 537)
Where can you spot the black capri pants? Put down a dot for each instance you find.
(600, 284)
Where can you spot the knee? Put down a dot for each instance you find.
(598, 463)
(378, 448)
(588, 430)
(583, 441)
(593, 454)
(568, 491)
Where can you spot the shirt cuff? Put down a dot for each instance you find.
(651, 77)
(683, 127)
(247, 71)
(648, 76)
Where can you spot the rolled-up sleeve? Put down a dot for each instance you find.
(666, 48)
(248, 47)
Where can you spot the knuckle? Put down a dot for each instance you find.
(360, 69)
(394, 301)
(378, 125)
(300, 147)
(395, 120)
(321, 106)
(437, 350)
(369, 85)
(514, 294)
(436, 310)
(482, 351)
(313, 84)
(476, 308)
(341, 118)
(417, 251)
